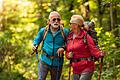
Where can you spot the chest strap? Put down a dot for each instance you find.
(89, 59)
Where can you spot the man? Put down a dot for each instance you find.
(53, 44)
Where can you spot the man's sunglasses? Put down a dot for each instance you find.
(58, 19)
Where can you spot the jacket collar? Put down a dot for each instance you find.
(80, 35)
(57, 32)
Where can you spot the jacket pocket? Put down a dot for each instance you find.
(81, 65)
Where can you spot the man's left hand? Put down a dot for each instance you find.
(60, 50)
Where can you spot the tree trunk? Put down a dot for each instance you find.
(71, 5)
(54, 3)
(115, 27)
(85, 10)
(100, 13)
(111, 16)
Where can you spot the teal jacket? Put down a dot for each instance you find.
(51, 45)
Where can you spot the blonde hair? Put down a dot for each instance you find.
(77, 19)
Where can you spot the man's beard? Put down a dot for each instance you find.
(55, 25)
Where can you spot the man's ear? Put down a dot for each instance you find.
(61, 22)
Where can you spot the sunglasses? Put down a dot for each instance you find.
(54, 19)
(72, 24)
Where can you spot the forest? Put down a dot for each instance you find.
(20, 21)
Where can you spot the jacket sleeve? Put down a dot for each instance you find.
(67, 51)
(39, 37)
(66, 31)
(92, 47)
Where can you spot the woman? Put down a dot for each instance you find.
(79, 52)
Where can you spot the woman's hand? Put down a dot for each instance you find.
(102, 54)
(70, 55)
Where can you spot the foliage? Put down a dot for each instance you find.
(20, 21)
(17, 20)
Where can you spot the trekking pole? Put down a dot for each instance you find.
(58, 68)
(101, 65)
(36, 54)
(69, 69)
(38, 63)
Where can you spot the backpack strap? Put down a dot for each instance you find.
(46, 31)
(85, 39)
(86, 42)
(44, 35)
(93, 36)
(62, 32)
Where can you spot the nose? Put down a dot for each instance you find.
(56, 20)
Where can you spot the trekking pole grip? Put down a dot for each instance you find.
(102, 59)
(36, 51)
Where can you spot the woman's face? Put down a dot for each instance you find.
(74, 26)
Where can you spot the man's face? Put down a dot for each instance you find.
(55, 21)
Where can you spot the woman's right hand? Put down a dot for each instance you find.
(102, 54)
(70, 54)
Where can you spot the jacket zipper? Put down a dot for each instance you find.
(53, 48)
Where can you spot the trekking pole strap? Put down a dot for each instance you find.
(36, 55)
(32, 53)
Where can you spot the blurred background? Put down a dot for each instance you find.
(20, 21)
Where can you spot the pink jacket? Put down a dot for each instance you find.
(82, 50)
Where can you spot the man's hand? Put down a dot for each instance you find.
(35, 48)
(60, 51)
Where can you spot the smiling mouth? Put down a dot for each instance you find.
(55, 24)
